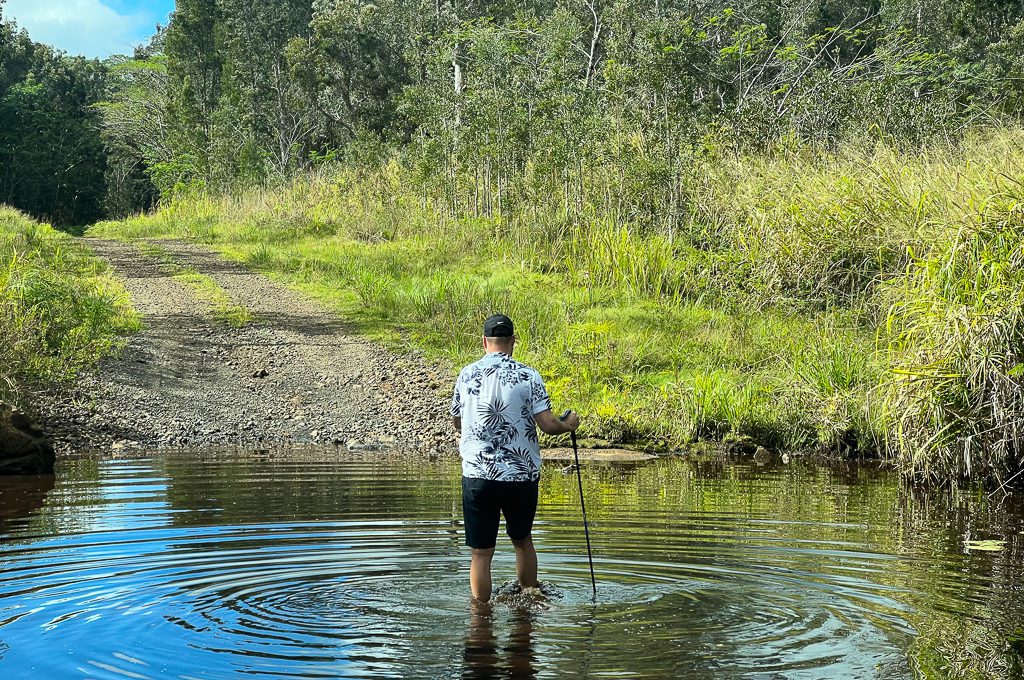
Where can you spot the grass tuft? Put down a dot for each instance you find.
(225, 309)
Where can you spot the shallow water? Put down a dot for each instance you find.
(319, 564)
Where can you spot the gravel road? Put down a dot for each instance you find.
(294, 375)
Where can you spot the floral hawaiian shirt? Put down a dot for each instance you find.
(497, 398)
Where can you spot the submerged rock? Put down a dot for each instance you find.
(23, 449)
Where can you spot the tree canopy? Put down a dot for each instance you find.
(52, 161)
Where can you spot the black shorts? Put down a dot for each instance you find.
(483, 502)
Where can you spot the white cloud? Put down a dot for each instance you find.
(86, 27)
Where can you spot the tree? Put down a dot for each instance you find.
(136, 129)
(267, 124)
(352, 68)
(194, 66)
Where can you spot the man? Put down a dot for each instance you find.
(498, 405)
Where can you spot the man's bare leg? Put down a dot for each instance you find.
(480, 573)
(526, 562)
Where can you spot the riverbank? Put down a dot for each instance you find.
(867, 301)
(645, 369)
(218, 357)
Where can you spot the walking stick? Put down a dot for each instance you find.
(586, 528)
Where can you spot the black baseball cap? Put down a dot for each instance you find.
(498, 326)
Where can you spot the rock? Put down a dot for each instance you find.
(23, 449)
(762, 456)
(363, 446)
(261, 373)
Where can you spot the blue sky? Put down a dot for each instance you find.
(94, 28)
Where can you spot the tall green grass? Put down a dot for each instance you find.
(622, 342)
(60, 310)
(955, 392)
(862, 299)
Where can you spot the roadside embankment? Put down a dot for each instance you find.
(60, 313)
(60, 309)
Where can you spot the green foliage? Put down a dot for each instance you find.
(52, 162)
(59, 310)
(134, 123)
(262, 127)
(956, 394)
(352, 68)
(499, 106)
(195, 62)
(623, 343)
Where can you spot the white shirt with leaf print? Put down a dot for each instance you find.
(497, 398)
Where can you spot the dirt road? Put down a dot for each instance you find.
(294, 374)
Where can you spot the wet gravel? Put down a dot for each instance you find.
(295, 375)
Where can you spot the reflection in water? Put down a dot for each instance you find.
(21, 497)
(317, 564)
(482, 657)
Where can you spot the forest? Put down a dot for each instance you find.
(787, 223)
(490, 102)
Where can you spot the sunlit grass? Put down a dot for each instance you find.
(865, 299)
(643, 362)
(225, 309)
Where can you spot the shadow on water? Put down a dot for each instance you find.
(20, 498)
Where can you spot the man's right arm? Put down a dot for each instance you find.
(549, 424)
